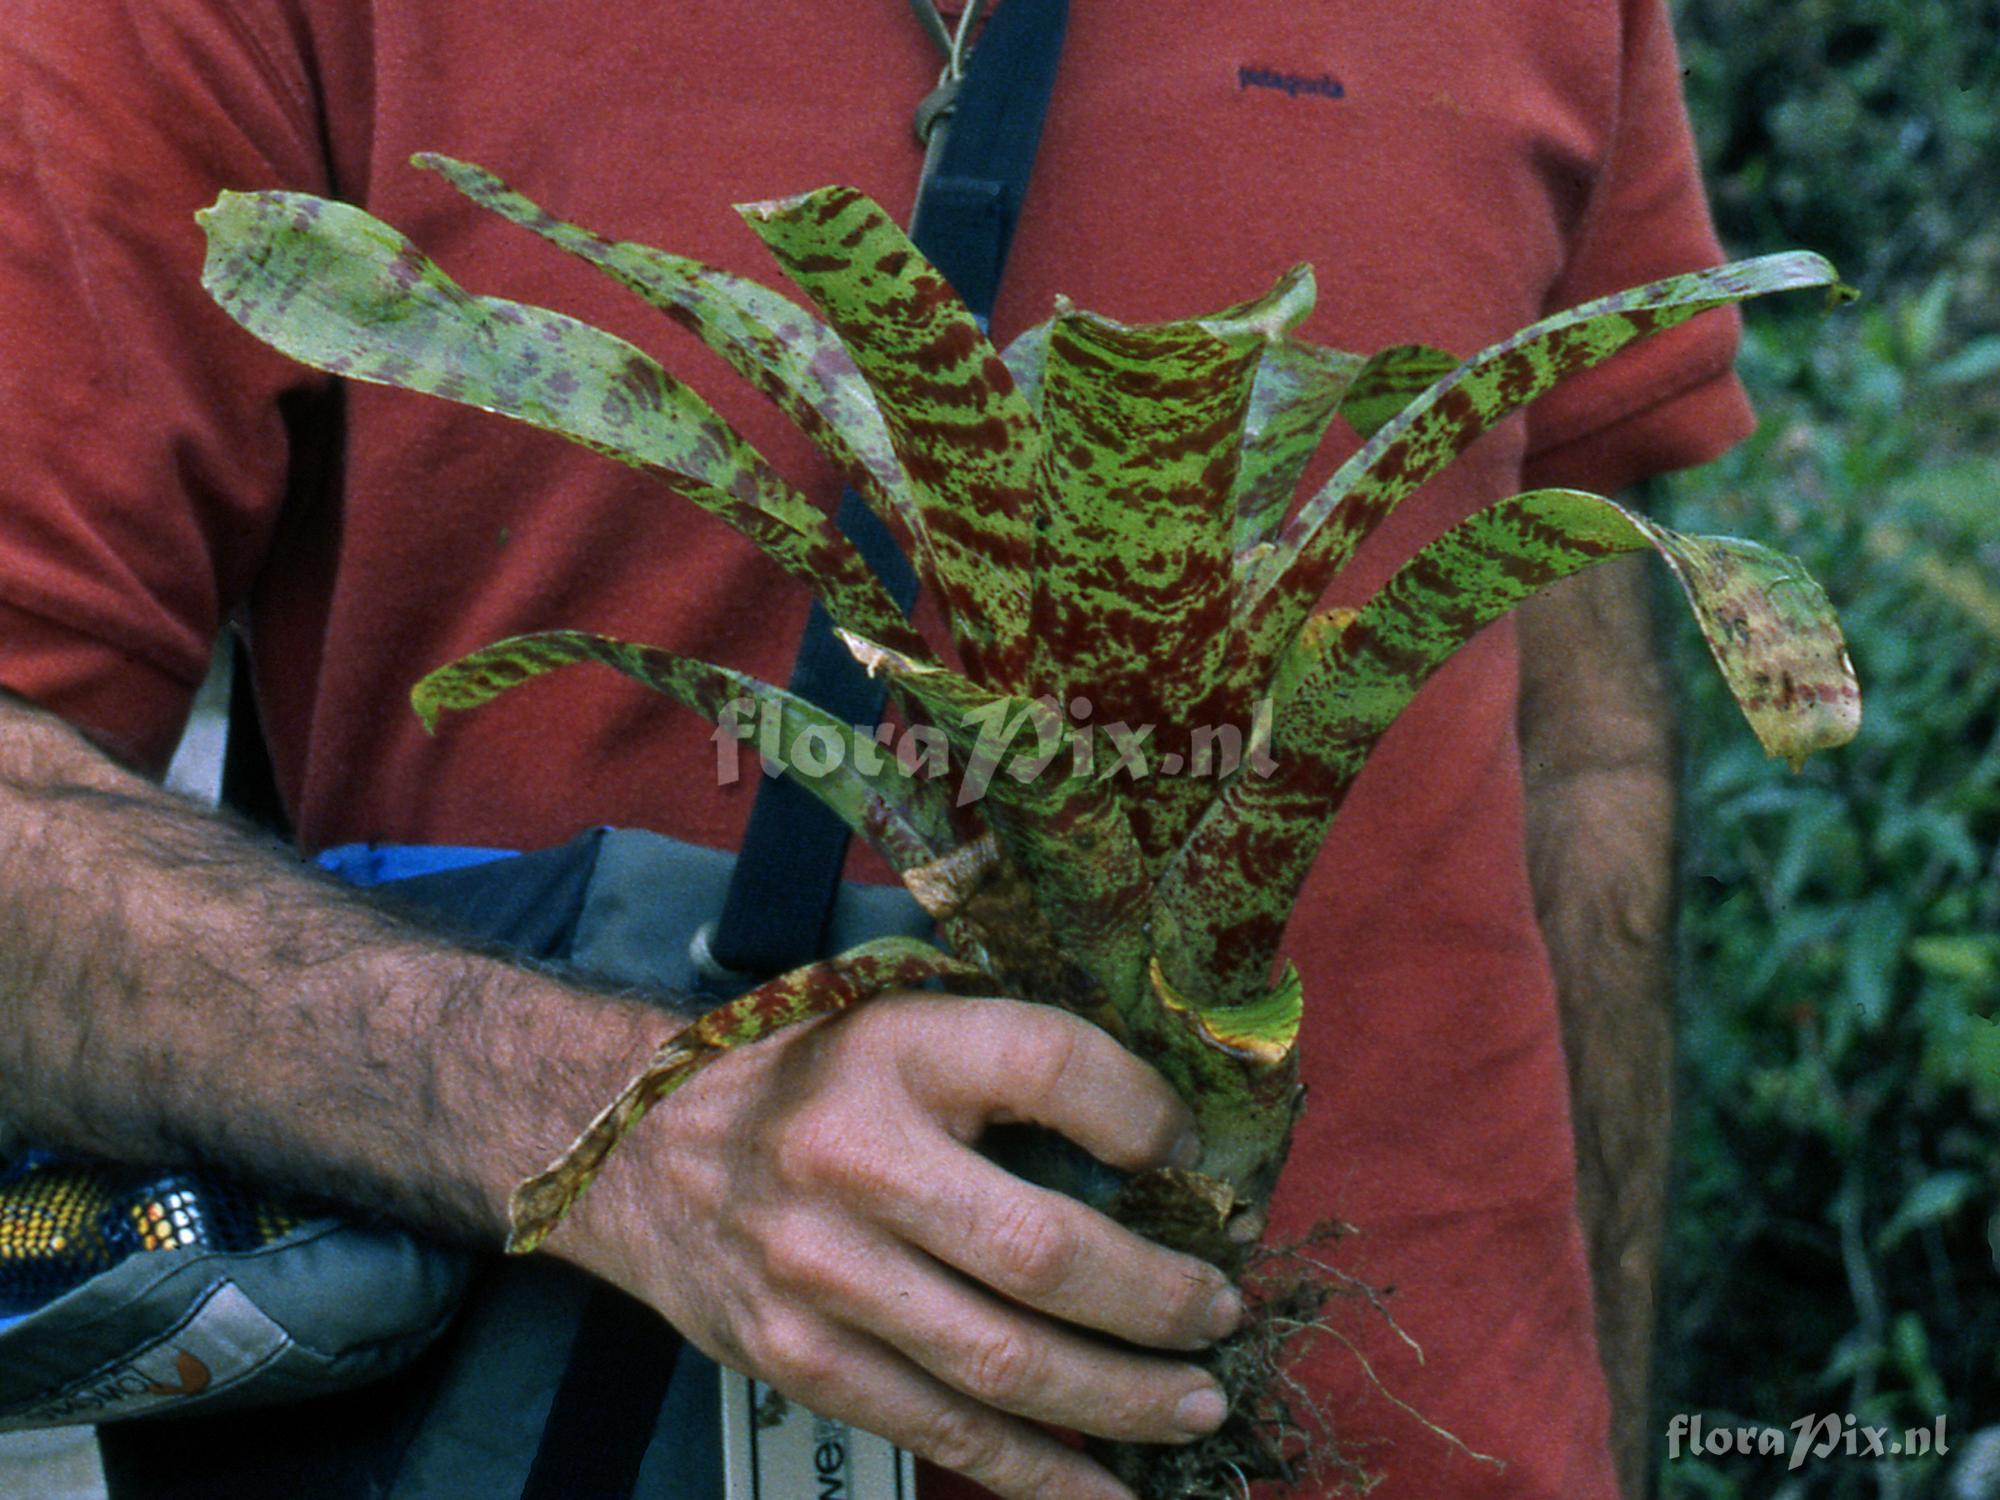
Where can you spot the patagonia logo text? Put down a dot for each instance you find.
(1325, 85)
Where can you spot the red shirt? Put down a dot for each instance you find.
(1453, 171)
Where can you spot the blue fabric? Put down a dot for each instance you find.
(377, 864)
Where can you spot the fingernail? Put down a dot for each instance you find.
(1225, 1313)
(1201, 1411)
(1186, 1153)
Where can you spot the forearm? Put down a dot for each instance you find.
(173, 989)
(1597, 756)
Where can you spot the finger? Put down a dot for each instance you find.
(1008, 1061)
(1018, 1361)
(1052, 1253)
(851, 1377)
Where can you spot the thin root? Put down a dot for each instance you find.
(1410, 1411)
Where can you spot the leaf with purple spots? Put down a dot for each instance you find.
(1300, 387)
(767, 338)
(1772, 632)
(1133, 580)
(827, 988)
(337, 289)
(843, 765)
(1065, 826)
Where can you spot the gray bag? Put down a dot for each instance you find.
(185, 1340)
(325, 1306)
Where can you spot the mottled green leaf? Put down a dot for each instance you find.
(964, 435)
(1442, 422)
(1268, 318)
(1341, 686)
(1237, 1070)
(1064, 826)
(1390, 381)
(826, 988)
(337, 289)
(903, 815)
(766, 337)
(1133, 584)
(1143, 435)
(1238, 1067)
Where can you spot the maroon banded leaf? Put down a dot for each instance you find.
(1268, 317)
(1133, 583)
(1445, 419)
(1299, 388)
(337, 289)
(539, 1204)
(1341, 687)
(1390, 381)
(1143, 433)
(1235, 1067)
(965, 437)
(767, 338)
(843, 765)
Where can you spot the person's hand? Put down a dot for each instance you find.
(811, 1211)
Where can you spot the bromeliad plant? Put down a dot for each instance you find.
(1104, 512)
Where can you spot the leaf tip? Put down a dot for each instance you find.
(228, 203)
(529, 1221)
(763, 210)
(873, 659)
(450, 168)
(426, 706)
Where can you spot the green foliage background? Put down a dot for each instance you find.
(1835, 1245)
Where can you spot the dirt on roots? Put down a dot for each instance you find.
(1277, 1430)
